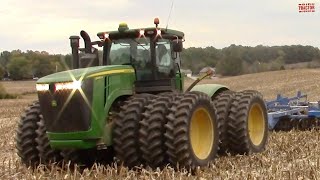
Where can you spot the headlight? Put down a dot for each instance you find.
(42, 87)
(68, 85)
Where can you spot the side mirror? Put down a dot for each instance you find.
(177, 45)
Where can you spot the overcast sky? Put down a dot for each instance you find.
(47, 25)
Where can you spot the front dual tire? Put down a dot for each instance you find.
(171, 128)
(32, 142)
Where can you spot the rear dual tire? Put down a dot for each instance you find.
(247, 123)
(222, 104)
(191, 131)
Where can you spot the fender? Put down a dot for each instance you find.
(212, 90)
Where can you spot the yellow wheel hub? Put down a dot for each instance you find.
(256, 124)
(201, 133)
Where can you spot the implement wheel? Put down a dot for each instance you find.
(284, 124)
(247, 125)
(191, 131)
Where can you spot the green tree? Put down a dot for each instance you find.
(42, 68)
(1, 72)
(4, 60)
(66, 61)
(230, 66)
(20, 68)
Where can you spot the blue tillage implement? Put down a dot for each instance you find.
(287, 113)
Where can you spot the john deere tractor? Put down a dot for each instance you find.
(130, 106)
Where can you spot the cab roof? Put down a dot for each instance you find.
(125, 32)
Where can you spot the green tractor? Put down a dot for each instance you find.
(129, 106)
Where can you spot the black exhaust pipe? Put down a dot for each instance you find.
(87, 42)
(74, 43)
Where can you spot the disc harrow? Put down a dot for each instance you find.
(285, 114)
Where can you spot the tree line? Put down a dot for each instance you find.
(229, 61)
(237, 59)
(18, 65)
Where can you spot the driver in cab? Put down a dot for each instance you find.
(164, 60)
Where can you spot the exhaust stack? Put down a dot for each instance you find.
(74, 43)
(87, 42)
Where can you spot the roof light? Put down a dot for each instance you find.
(68, 85)
(103, 36)
(106, 35)
(156, 21)
(123, 24)
(123, 27)
(42, 87)
(141, 32)
(158, 32)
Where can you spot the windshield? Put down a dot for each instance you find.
(135, 51)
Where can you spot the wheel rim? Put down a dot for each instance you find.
(201, 133)
(256, 124)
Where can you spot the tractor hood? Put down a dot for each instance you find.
(83, 73)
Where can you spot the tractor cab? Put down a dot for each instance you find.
(153, 52)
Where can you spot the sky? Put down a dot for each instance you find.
(46, 25)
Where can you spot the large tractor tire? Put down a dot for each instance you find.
(47, 154)
(152, 130)
(222, 104)
(192, 131)
(126, 130)
(26, 135)
(248, 123)
(31, 140)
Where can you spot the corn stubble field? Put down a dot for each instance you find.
(289, 155)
